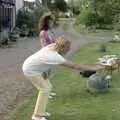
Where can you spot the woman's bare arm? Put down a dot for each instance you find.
(81, 67)
(42, 37)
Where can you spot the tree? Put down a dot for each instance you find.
(102, 12)
(46, 3)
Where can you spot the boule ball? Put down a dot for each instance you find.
(97, 83)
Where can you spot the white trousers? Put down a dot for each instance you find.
(44, 87)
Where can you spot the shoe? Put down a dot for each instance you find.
(52, 95)
(43, 118)
(38, 118)
(47, 114)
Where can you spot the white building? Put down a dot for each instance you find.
(19, 4)
(7, 18)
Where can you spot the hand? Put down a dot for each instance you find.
(90, 68)
(97, 68)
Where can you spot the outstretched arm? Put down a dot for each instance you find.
(81, 67)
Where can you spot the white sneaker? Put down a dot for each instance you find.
(47, 114)
(52, 95)
(38, 118)
(43, 118)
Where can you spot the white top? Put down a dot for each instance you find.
(42, 61)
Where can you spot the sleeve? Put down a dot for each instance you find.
(43, 38)
(52, 57)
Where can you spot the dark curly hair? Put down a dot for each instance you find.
(44, 22)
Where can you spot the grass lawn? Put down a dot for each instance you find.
(96, 32)
(102, 33)
(73, 102)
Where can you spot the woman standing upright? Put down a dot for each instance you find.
(48, 36)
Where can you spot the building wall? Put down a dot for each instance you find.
(7, 13)
(7, 19)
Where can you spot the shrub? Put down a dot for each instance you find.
(116, 22)
(101, 47)
(23, 17)
(117, 26)
(87, 18)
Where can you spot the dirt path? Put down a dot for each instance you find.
(14, 87)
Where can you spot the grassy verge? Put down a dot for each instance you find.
(73, 102)
(102, 33)
(95, 32)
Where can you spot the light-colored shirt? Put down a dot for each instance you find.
(42, 61)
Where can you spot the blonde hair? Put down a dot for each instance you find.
(60, 44)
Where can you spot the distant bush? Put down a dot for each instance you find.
(116, 22)
(102, 14)
(117, 26)
(87, 18)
